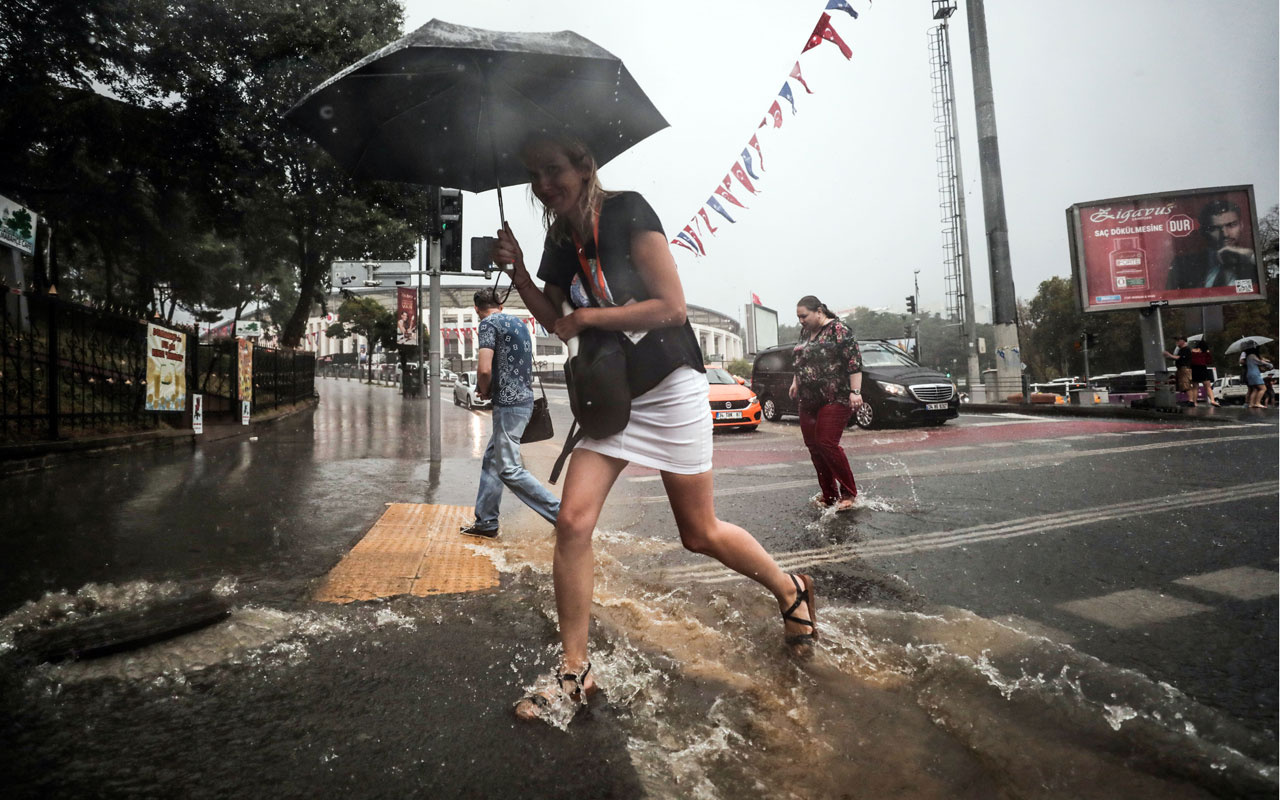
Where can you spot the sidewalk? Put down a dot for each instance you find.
(1201, 413)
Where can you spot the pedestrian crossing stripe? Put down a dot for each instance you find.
(412, 549)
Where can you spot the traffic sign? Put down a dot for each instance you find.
(359, 274)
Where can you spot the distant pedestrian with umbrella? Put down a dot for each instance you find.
(1254, 366)
(606, 255)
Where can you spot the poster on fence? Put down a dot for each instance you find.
(197, 414)
(166, 369)
(244, 368)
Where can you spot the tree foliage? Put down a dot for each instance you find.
(186, 188)
(366, 317)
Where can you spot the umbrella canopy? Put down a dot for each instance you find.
(1247, 342)
(449, 105)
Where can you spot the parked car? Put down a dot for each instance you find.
(1230, 389)
(733, 405)
(464, 391)
(894, 387)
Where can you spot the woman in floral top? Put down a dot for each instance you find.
(828, 388)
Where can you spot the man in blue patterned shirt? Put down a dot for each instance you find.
(503, 373)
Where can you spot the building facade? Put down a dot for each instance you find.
(719, 335)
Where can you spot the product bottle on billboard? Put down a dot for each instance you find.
(1129, 266)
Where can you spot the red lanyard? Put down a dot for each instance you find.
(594, 276)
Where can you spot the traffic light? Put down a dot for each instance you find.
(450, 217)
(911, 304)
(1091, 340)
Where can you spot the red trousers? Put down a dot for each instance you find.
(822, 433)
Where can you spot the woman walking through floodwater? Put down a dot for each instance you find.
(827, 388)
(611, 245)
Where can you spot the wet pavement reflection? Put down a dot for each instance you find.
(412, 696)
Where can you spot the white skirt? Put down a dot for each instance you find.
(669, 429)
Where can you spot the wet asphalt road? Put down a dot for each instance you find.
(1102, 533)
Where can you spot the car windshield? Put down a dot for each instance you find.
(877, 355)
(717, 375)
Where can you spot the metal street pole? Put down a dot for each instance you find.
(417, 299)
(433, 265)
(1004, 307)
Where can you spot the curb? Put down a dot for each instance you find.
(29, 457)
(1126, 412)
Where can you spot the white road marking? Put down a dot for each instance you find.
(1133, 608)
(980, 465)
(1008, 529)
(1242, 583)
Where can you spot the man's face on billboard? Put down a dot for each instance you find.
(1223, 230)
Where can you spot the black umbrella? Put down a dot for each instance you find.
(449, 105)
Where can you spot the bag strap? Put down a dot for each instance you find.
(596, 280)
(576, 434)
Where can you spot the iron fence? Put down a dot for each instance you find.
(69, 370)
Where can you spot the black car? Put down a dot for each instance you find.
(894, 387)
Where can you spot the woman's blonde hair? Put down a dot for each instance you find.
(581, 159)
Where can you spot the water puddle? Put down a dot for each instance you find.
(899, 702)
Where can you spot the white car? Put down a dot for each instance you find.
(464, 391)
(1230, 389)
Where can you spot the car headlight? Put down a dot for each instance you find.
(752, 400)
(896, 389)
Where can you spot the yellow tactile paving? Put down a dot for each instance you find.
(412, 549)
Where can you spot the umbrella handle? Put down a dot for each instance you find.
(567, 309)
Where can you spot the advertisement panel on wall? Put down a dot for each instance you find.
(1182, 248)
(244, 369)
(406, 315)
(166, 369)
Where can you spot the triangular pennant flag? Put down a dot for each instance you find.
(785, 93)
(686, 245)
(823, 30)
(719, 209)
(775, 111)
(755, 142)
(723, 191)
(702, 212)
(755, 298)
(842, 5)
(746, 162)
(696, 240)
(741, 175)
(795, 73)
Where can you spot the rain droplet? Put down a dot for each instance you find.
(326, 112)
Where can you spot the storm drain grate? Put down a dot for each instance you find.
(412, 549)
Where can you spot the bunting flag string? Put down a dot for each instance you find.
(743, 168)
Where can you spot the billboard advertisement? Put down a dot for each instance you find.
(406, 315)
(1183, 248)
(762, 327)
(166, 369)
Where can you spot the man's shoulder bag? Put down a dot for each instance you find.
(539, 428)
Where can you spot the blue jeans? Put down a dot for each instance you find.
(502, 466)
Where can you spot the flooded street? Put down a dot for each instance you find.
(913, 694)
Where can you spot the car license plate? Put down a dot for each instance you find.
(936, 406)
(728, 415)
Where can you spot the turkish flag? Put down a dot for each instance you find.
(696, 240)
(755, 142)
(755, 298)
(823, 30)
(702, 212)
(775, 111)
(688, 247)
(723, 191)
(795, 73)
(741, 175)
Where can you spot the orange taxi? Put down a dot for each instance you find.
(733, 405)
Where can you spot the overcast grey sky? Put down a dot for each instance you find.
(1094, 99)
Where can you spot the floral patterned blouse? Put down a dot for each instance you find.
(824, 360)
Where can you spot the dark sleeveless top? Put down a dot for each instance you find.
(662, 350)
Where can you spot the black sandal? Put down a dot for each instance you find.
(542, 702)
(804, 594)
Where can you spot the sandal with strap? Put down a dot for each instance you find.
(804, 594)
(536, 704)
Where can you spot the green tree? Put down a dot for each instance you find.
(366, 317)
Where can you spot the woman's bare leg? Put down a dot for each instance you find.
(587, 482)
(701, 531)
